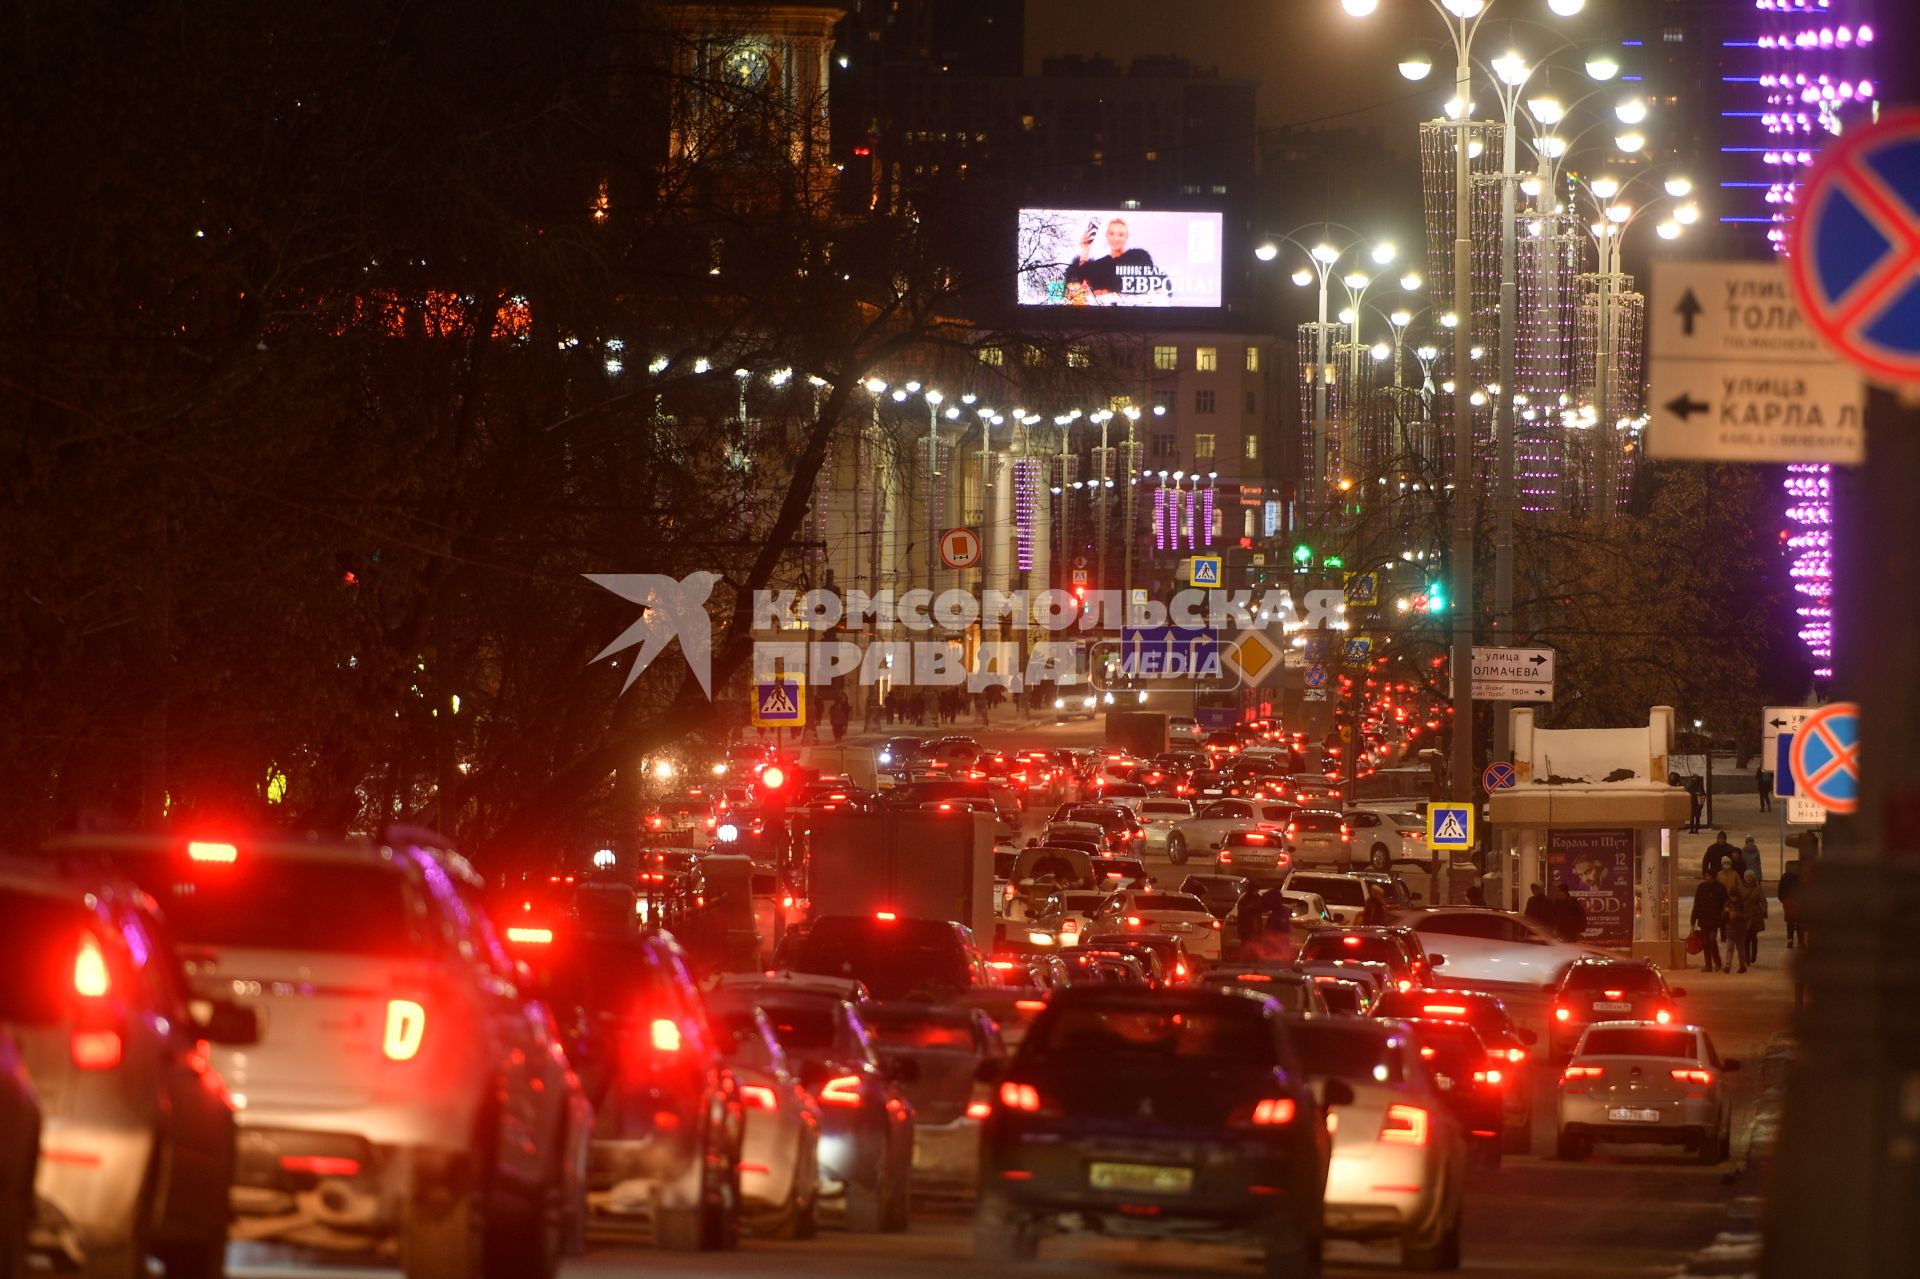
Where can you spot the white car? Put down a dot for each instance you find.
(1129, 795)
(1076, 701)
(1159, 815)
(1381, 839)
(1398, 1165)
(780, 1136)
(1201, 834)
(1345, 896)
(1495, 951)
(404, 1096)
(1068, 915)
(1182, 730)
(1179, 915)
(1640, 1081)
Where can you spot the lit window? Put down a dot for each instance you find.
(1206, 359)
(1252, 448)
(1078, 357)
(1203, 448)
(1166, 357)
(992, 355)
(1253, 359)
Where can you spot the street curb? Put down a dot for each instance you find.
(1735, 1250)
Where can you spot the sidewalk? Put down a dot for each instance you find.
(1739, 816)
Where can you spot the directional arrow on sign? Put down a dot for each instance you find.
(1684, 406)
(1538, 659)
(1689, 310)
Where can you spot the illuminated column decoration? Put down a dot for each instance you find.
(1188, 501)
(1026, 502)
(1817, 81)
(1206, 516)
(1336, 402)
(1629, 348)
(1160, 517)
(1810, 509)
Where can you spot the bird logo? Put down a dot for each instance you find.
(670, 609)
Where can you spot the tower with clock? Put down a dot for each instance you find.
(750, 97)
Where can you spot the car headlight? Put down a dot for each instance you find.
(886, 757)
(1090, 703)
(1059, 703)
(1108, 699)
(1142, 696)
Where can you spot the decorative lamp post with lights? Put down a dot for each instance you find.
(1462, 19)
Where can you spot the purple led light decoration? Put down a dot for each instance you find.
(1205, 530)
(1810, 544)
(1026, 497)
(1160, 514)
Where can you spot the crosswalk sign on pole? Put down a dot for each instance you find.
(1204, 570)
(780, 703)
(1450, 827)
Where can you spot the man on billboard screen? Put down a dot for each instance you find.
(1075, 257)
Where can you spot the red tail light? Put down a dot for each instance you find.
(1019, 1096)
(1134, 921)
(1614, 994)
(757, 1097)
(406, 1027)
(1487, 1077)
(1581, 1072)
(95, 1049)
(1444, 1010)
(1405, 1126)
(90, 978)
(841, 1090)
(1346, 832)
(1692, 1076)
(1030, 1005)
(1562, 1013)
(885, 916)
(321, 1165)
(664, 1034)
(202, 851)
(1273, 1111)
(1516, 1055)
(1663, 1015)
(979, 1109)
(530, 936)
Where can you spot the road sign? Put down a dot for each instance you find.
(1826, 758)
(1512, 674)
(1204, 570)
(959, 548)
(1252, 656)
(1316, 676)
(780, 703)
(1802, 811)
(1363, 589)
(1359, 648)
(1450, 827)
(1736, 374)
(1163, 652)
(1499, 775)
(1079, 577)
(1856, 248)
(1314, 695)
(1777, 723)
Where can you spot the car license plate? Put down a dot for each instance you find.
(1632, 1115)
(1153, 1178)
(1611, 1006)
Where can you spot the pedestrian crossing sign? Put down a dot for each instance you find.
(1204, 570)
(780, 703)
(1449, 827)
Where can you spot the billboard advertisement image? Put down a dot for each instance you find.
(1112, 257)
(1597, 868)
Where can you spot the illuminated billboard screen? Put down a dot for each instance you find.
(1115, 257)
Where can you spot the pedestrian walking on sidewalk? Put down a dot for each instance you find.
(1753, 905)
(1750, 859)
(1763, 782)
(1719, 852)
(1709, 912)
(1739, 923)
(1789, 894)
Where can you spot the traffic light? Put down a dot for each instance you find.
(1302, 555)
(1436, 597)
(1333, 561)
(772, 787)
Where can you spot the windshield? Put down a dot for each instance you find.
(1638, 1043)
(1357, 1053)
(285, 904)
(1609, 977)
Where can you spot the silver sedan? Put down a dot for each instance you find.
(1639, 1081)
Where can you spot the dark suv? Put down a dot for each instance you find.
(896, 958)
(1181, 1115)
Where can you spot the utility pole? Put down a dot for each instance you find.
(1460, 586)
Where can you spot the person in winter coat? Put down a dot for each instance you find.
(1539, 910)
(1789, 894)
(1719, 853)
(1737, 924)
(1709, 912)
(1753, 906)
(1569, 917)
(1750, 858)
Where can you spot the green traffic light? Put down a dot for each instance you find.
(1303, 554)
(1333, 561)
(1436, 598)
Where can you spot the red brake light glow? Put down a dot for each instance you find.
(1582, 1072)
(841, 1090)
(1273, 1110)
(979, 1109)
(1019, 1096)
(90, 979)
(321, 1165)
(95, 1049)
(1486, 1076)
(1030, 1005)
(757, 1097)
(1663, 1015)
(773, 777)
(1350, 941)
(530, 936)
(665, 1035)
(1562, 1013)
(1444, 1010)
(1692, 1076)
(203, 851)
(406, 1027)
(1405, 1126)
(1516, 1055)
(885, 916)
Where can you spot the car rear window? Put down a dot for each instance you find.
(894, 958)
(1638, 1043)
(1361, 946)
(1335, 892)
(1166, 808)
(801, 1029)
(1608, 977)
(1320, 823)
(1340, 996)
(1169, 901)
(1358, 1053)
(276, 903)
(1137, 1034)
(895, 1029)
(1483, 1014)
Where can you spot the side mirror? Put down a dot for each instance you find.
(1529, 1038)
(1678, 992)
(1434, 961)
(1335, 1092)
(1730, 1065)
(229, 1024)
